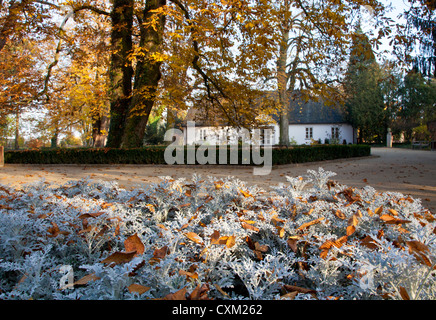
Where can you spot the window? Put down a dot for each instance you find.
(335, 133)
(203, 134)
(309, 133)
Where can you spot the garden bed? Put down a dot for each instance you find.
(210, 239)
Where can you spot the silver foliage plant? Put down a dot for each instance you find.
(308, 239)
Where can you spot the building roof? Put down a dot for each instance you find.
(301, 112)
(315, 112)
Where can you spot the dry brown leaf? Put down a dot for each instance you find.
(379, 210)
(194, 237)
(119, 257)
(369, 242)
(86, 279)
(138, 288)
(338, 213)
(192, 275)
(393, 212)
(160, 253)
(404, 294)
(245, 193)
(350, 230)
(247, 226)
(392, 220)
(178, 295)
(133, 243)
(91, 215)
(291, 288)
(199, 293)
(310, 223)
(231, 241)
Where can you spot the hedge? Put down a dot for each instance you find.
(155, 155)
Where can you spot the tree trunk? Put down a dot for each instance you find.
(54, 140)
(282, 83)
(121, 71)
(99, 131)
(17, 129)
(147, 76)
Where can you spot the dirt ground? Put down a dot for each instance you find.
(411, 172)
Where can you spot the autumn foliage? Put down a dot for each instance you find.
(208, 239)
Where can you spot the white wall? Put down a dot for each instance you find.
(320, 131)
(296, 132)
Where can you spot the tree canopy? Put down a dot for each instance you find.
(102, 67)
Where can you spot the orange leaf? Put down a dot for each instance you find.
(340, 214)
(404, 294)
(119, 257)
(231, 241)
(292, 243)
(379, 210)
(291, 288)
(392, 220)
(249, 227)
(137, 288)
(244, 193)
(214, 238)
(393, 212)
(417, 246)
(194, 237)
(91, 215)
(86, 279)
(310, 223)
(350, 230)
(192, 275)
(178, 295)
(133, 243)
(160, 253)
(199, 293)
(369, 242)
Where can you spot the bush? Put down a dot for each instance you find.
(208, 238)
(155, 155)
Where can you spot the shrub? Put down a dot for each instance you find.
(155, 155)
(209, 238)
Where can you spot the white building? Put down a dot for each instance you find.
(309, 122)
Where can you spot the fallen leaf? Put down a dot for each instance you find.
(310, 223)
(392, 220)
(393, 212)
(178, 295)
(379, 210)
(340, 214)
(192, 275)
(231, 241)
(91, 215)
(249, 227)
(291, 288)
(369, 242)
(404, 294)
(133, 243)
(199, 293)
(245, 193)
(119, 257)
(194, 237)
(292, 242)
(138, 288)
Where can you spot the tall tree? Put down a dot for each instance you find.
(415, 43)
(364, 96)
